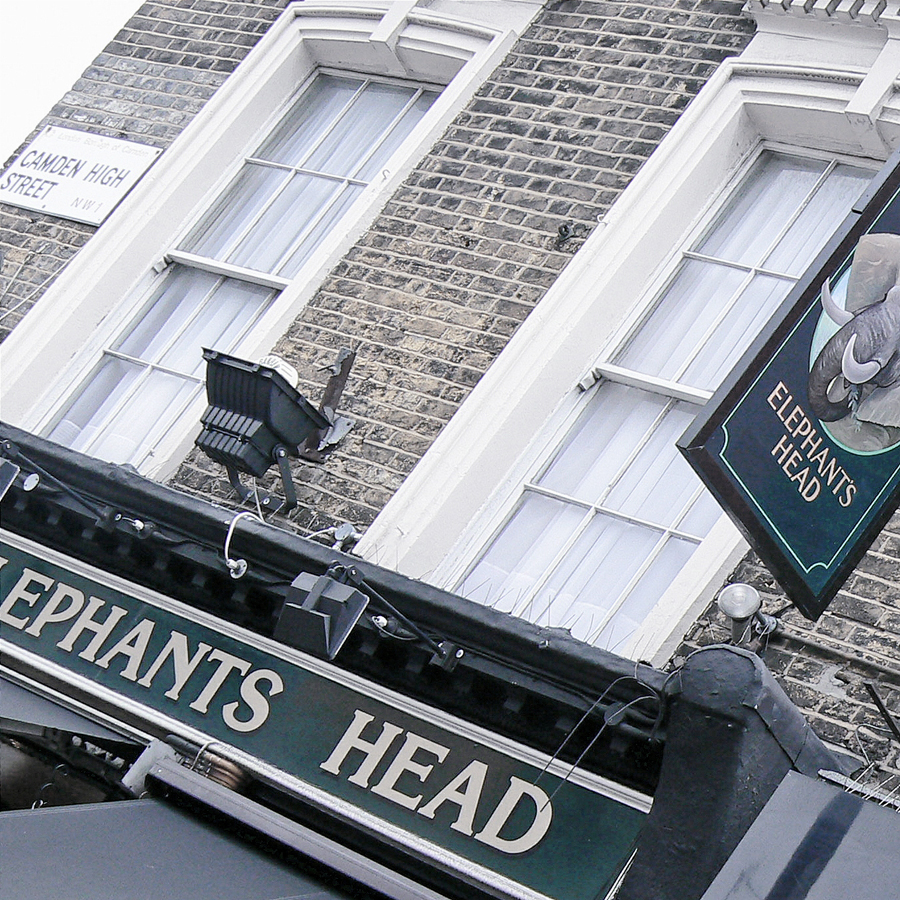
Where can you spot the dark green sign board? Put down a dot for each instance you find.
(446, 789)
(801, 445)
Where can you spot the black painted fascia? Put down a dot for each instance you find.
(283, 554)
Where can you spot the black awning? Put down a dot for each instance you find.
(138, 850)
(814, 841)
(23, 711)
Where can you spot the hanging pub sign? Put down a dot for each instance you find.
(74, 174)
(801, 444)
(447, 790)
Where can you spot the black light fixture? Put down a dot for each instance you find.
(319, 614)
(255, 419)
(741, 604)
(8, 473)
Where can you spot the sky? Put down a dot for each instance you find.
(44, 46)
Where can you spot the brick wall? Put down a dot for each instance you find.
(457, 259)
(146, 86)
(824, 665)
(482, 227)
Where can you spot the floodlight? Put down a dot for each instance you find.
(255, 419)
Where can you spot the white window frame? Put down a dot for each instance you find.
(449, 43)
(462, 491)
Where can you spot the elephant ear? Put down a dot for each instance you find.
(881, 407)
(874, 271)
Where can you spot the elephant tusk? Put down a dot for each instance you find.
(856, 372)
(838, 389)
(832, 310)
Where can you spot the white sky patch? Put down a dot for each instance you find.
(45, 45)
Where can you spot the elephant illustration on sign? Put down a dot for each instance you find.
(854, 378)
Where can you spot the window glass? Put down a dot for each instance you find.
(143, 387)
(600, 446)
(234, 214)
(310, 119)
(360, 130)
(287, 215)
(687, 313)
(815, 223)
(317, 228)
(177, 301)
(609, 519)
(756, 215)
(294, 190)
(398, 132)
(285, 200)
(600, 564)
(723, 344)
(522, 552)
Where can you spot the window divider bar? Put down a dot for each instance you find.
(743, 267)
(216, 267)
(300, 170)
(622, 375)
(600, 509)
(154, 366)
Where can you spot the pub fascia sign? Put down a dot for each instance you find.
(75, 174)
(801, 444)
(446, 789)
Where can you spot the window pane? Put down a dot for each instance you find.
(178, 299)
(371, 168)
(286, 217)
(762, 208)
(81, 422)
(359, 129)
(644, 596)
(128, 437)
(695, 298)
(596, 571)
(658, 483)
(237, 210)
(309, 119)
(522, 552)
(341, 201)
(818, 220)
(601, 443)
(218, 324)
(193, 310)
(734, 334)
(702, 515)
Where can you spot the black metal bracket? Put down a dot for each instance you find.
(269, 502)
(312, 450)
(885, 714)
